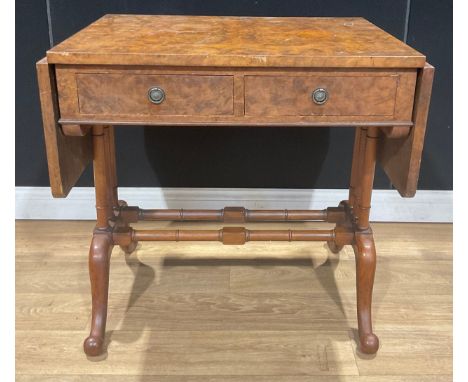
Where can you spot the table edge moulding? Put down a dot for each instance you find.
(233, 71)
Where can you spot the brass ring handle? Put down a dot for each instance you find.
(320, 96)
(156, 95)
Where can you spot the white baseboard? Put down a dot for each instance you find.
(387, 205)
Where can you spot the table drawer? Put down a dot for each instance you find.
(115, 95)
(385, 96)
(128, 94)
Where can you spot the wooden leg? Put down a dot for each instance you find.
(102, 243)
(99, 261)
(364, 250)
(112, 194)
(109, 143)
(112, 182)
(364, 247)
(353, 183)
(103, 177)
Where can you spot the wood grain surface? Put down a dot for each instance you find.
(119, 95)
(207, 312)
(350, 94)
(127, 93)
(67, 157)
(401, 157)
(235, 41)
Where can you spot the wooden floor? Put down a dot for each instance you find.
(259, 312)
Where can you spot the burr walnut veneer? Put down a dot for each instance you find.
(233, 71)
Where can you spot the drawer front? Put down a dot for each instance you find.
(127, 94)
(209, 96)
(346, 96)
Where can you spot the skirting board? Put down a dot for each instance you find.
(387, 205)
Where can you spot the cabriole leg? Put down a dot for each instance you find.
(364, 247)
(364, 250)
(101, 244)
(99, 260)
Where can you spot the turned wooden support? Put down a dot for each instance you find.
(105, 182)
(356, 200)
(104, 176)
(233, 235)
(232, 215)
(109, 141)
(354, 181)
(366, 174)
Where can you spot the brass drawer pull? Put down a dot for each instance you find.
(156, 95)
(320, 96)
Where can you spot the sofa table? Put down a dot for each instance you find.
(233, 71)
